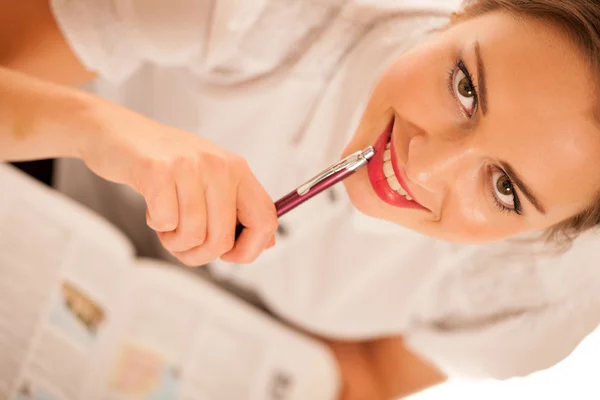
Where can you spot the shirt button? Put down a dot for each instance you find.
(332, 195)
(282, 230)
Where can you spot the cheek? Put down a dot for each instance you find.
(468, 215)
(469, 196)
(461, 226)
(466, 220)
(415, 83)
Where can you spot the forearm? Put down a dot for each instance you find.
(41, 120)
(31, 42)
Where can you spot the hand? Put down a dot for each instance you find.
(195, 191)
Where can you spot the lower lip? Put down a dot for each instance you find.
(378, 179)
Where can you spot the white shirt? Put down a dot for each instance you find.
(283, 83)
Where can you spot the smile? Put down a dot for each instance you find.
(388, 171)
(386, 176)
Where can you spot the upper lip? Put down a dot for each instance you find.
(401, 179)
(400, 175)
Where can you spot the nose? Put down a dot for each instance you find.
(435, 163)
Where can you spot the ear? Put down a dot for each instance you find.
(456, 17)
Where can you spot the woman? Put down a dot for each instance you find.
(491, 120)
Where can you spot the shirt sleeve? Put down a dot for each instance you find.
(521, 339)
(115, 37)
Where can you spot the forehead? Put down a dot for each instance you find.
(542, 97)
(538, 60)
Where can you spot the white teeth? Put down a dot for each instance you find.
(388, 145)
(387, 155)
(394, 184)
(388, 170)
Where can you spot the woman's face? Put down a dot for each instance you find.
(492, 132)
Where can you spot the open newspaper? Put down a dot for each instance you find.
(81, 318)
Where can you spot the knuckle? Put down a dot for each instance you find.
(223, 244)
(247, 258)
(195, 237)
(195, 257)
(217, 161)
(158, 166)
(236, 165)
(142, 176)
(167, 240)
(271, 224)
(153, 174)
(145, 166)
(188, 258)
(239, 162)
(224, 164)
(184, 164)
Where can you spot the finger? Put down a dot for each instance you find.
(160, 194)
(271, 242)
(192, 230)
(221, 221)
(256, 212)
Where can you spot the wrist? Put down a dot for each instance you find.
(83, 113)
(41, 120)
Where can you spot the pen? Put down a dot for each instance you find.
(324, 180)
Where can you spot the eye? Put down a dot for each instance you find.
(464, 89)
(504, 190)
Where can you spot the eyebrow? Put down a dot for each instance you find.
(481, 80)
(523, 187)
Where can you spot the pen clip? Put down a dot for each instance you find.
(350, 163)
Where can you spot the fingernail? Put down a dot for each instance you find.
(164, 227)
(149, 219)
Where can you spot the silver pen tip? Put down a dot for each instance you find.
(369, 152)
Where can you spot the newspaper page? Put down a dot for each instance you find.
(63, 275)
(186, 339)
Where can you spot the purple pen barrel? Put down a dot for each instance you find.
(294, 199)
(326, 179)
